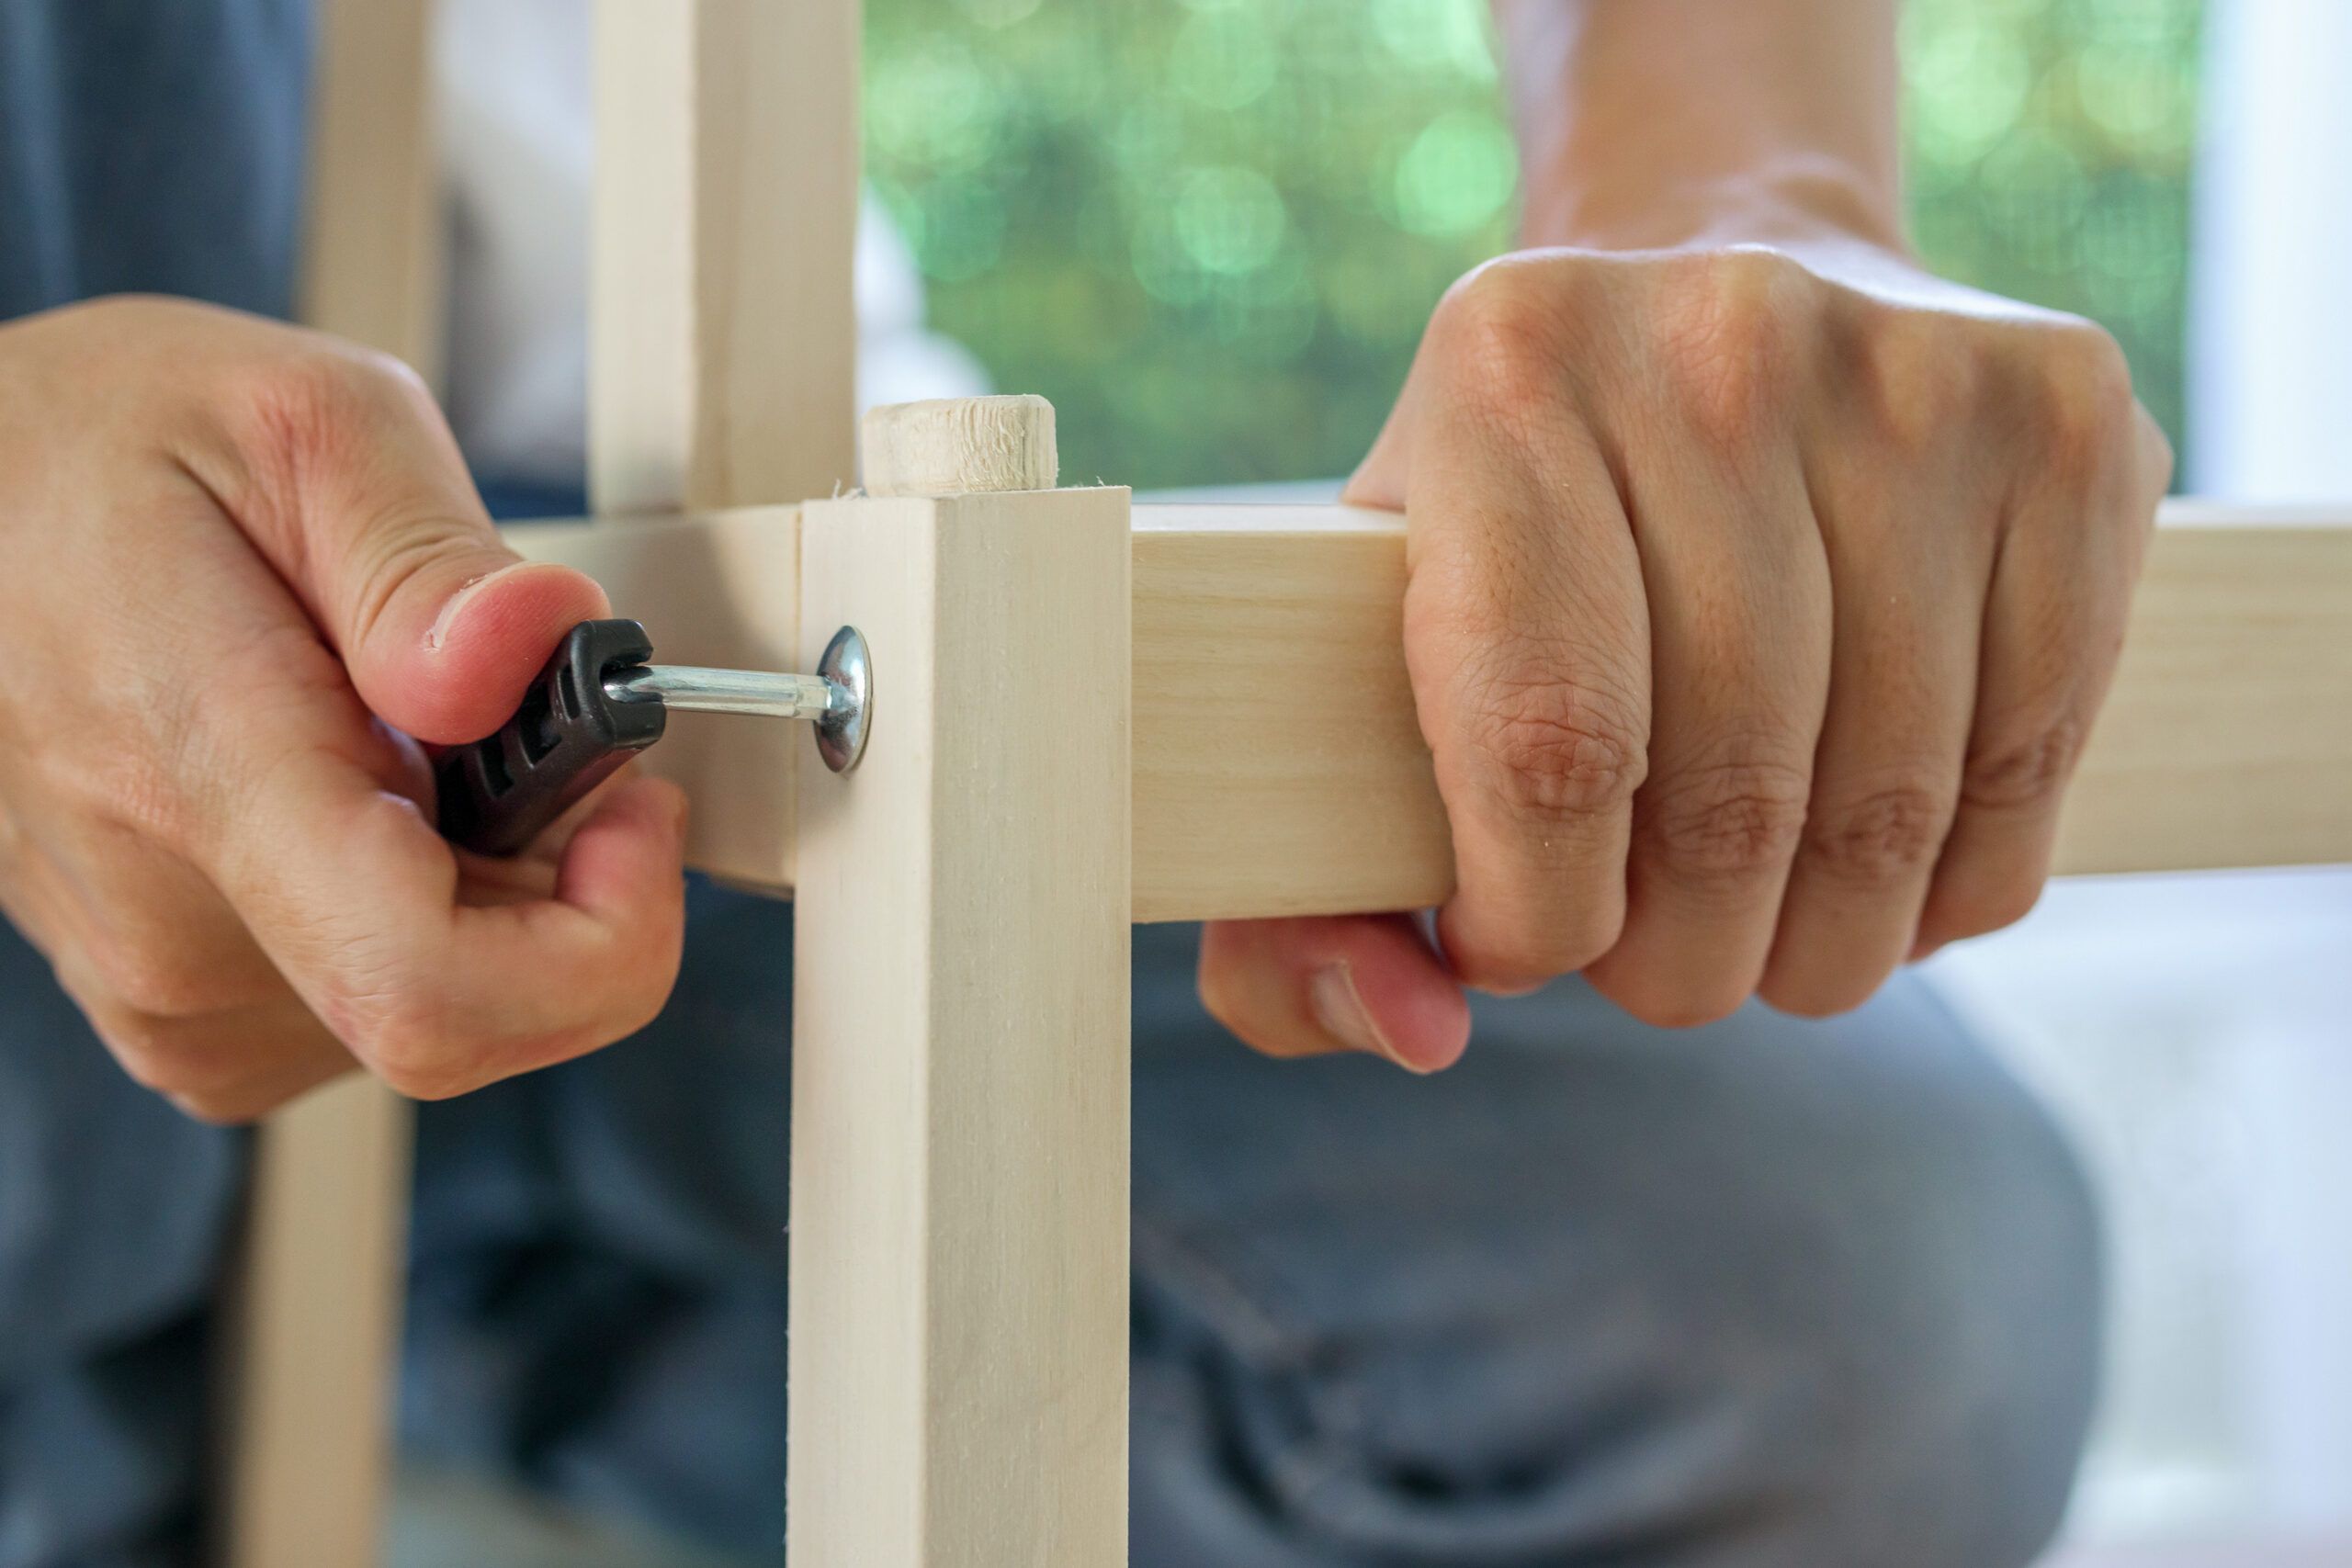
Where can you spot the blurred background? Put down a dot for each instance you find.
(1211, 231)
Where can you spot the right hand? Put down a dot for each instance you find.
(242, 574)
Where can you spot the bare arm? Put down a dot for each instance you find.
(1650, 123)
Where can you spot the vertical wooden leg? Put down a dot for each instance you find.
(959, 1117)
(312, 1331)
(723, 359)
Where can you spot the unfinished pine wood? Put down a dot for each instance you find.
(312, 1322)
(959, 1113)
(723, 352)
(2228, 739)
(721, 591)
(374, 265)
(1279, 768)
(951, 444)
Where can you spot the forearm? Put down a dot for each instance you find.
(1651, 123)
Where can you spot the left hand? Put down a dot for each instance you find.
(1760, 602)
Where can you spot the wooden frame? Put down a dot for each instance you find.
(959, 1073)
(1226, 728)
(1275, 736)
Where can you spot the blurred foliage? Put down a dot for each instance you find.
(1211, 231)
(2051, 142)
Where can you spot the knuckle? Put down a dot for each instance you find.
(414, 1064)
(1915, 374)
(2083, 391)
(153, 979)
(415, 1059)
(120, 783)
(398, 1030)
(1557, 749)
(422, 1051)
(1889, 835)
(320, 406)
(1503, 336)
(330, 384)
(1730, 822)
(2027, 773)
(386, 559)
(1727, 339)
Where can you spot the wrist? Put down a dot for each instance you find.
(1797, 203)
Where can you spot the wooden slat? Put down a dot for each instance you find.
(723, 347)
(960, 1120)
(373, 254)
(312, 1326)
(2228, 739)
(314, 1331)
(1278, 767)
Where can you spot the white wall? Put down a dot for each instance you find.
(2270, 339)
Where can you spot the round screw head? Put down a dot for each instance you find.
(840, 734)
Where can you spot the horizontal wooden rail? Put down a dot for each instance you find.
(1278, 769)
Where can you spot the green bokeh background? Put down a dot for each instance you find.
(1211, 231)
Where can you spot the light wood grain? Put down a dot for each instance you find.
(1279, 767)
(313, 1320)
(952, 445)
(312, 1326)
(2228, 739)
(723, 346)
(959, 1145)
(374, 262)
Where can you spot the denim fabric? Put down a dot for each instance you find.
(151, 146)
(1760, 1294)
(1766, 1294)
(114, 1213)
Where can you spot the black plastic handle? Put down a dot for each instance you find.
(501, 792)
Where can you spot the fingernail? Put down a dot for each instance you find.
(1339, 1007)
(457, 602)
